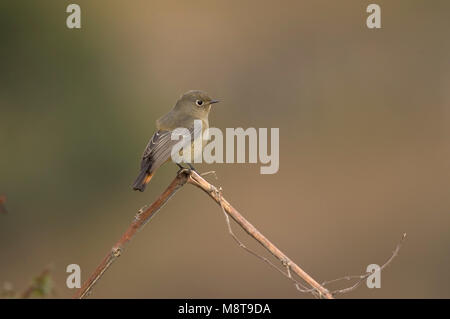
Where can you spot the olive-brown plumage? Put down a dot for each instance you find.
(193, 105)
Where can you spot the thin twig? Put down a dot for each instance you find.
(210, 172)
(214, 193)
(142, 218)
(366, 275)
(287, 274)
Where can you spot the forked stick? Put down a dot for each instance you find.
(144, 215)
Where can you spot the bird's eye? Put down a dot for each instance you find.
(199, 102)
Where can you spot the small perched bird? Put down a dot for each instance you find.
(193, 105)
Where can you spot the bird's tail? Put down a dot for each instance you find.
(142, 180)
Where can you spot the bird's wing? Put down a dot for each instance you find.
(159, 148)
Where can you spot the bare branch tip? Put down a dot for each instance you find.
(210, 172)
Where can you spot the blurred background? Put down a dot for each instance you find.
(364, 143)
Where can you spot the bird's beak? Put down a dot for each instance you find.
(214, 101)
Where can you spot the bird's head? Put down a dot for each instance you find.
(195, 103)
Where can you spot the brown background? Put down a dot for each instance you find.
(364, 142)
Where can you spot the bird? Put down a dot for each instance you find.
(191, 106)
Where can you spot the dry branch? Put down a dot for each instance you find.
(191, 177)
(215, 194)
(144, 216)
(140, 220)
